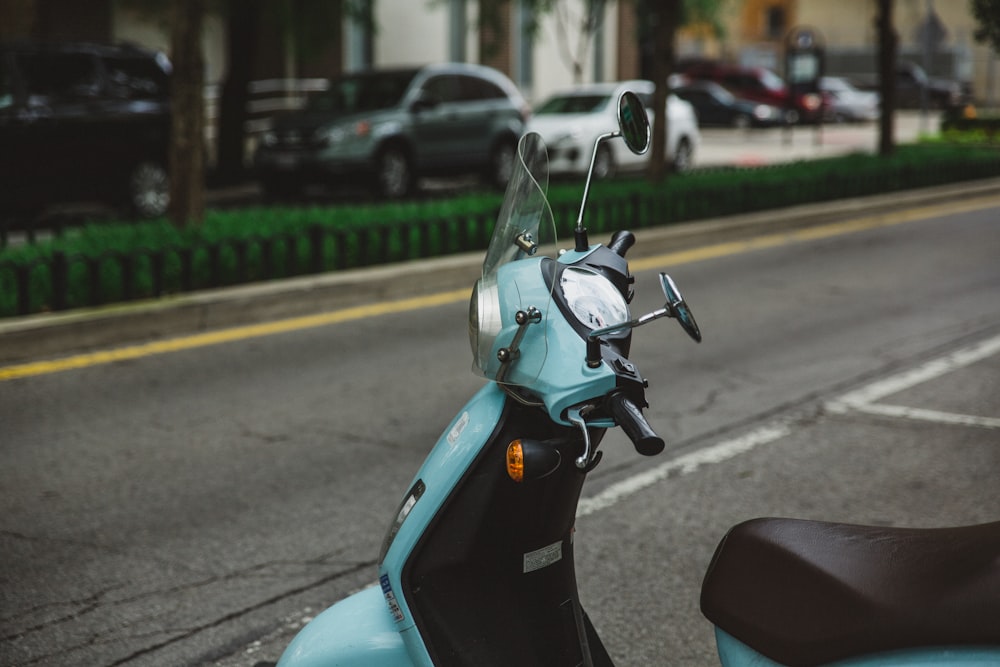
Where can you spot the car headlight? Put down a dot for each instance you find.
(571, 137)
(335, 134)
(762, 112)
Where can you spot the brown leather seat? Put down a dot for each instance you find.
(807, 593)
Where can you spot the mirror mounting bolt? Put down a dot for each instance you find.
(526, 242)
(593, 352)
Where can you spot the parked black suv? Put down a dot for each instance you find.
(391, 126)
(83, 122)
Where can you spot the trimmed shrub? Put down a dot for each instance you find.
(117, 261)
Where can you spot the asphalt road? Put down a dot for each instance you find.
(194, 507)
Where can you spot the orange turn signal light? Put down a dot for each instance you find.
(515, 461)
(531, 459)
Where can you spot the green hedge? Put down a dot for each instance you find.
(975, 128)
(110, 262)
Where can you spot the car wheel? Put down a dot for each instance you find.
(148, 190)
(683, 156)
(501, 164)
(393, 174)
(741, 121)
(604, 163)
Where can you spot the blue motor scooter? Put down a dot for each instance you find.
(477, 565)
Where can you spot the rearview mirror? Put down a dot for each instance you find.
(633, 127)
(633, 122)
(677, 308)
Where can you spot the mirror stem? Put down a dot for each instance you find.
(581, 233)
(594, 337)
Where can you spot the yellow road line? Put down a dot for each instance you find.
(230, 335)
(812, 233)
(416, 303)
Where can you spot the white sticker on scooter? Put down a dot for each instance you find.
(456, 431)
(390, 598)
(539, 558)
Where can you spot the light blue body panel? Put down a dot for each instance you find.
(552, 354)
(734, 653)
(364, 630)
(454, 452)
(356, 632)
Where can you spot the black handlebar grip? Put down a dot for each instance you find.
(630, 418)
(621, 241)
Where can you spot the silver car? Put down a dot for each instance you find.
(846, 103)
(389, 127)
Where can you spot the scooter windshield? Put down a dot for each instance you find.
(509, 285)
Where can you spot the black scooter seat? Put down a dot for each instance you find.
(807, 593)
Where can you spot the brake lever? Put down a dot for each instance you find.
(575, 415)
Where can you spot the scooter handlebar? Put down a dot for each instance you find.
(629, 416)
(621, 241)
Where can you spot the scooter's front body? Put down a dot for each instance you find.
(358, 631)
(477, 567)
(480, 571)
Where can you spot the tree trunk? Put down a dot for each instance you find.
(663, 17)
(887, 42)
(187, 156)
(241, 30)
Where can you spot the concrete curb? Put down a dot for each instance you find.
(53, 335)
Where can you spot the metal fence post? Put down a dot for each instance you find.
(60, 279)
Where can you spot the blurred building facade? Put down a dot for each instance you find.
(263, 41)
(934, 33)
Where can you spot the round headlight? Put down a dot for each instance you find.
(484, 321)
(592, 298)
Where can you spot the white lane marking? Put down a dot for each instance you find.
(682, 465)
(937, 416)
(866, 398)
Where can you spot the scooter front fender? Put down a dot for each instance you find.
(357, 631)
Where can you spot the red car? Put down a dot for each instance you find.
(760, 85)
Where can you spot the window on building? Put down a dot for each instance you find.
(776, 20)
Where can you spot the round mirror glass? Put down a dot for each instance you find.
(686, 320)
(633, 122)
(678, 308)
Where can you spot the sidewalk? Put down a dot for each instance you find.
(59, 334)
(756, 147)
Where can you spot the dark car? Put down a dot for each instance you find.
(83, 122)
(912, 82)
(758, 84)
(389, 127)
(716, 106)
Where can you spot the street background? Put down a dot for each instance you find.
(197, 506)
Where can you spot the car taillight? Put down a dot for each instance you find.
(811, 102)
